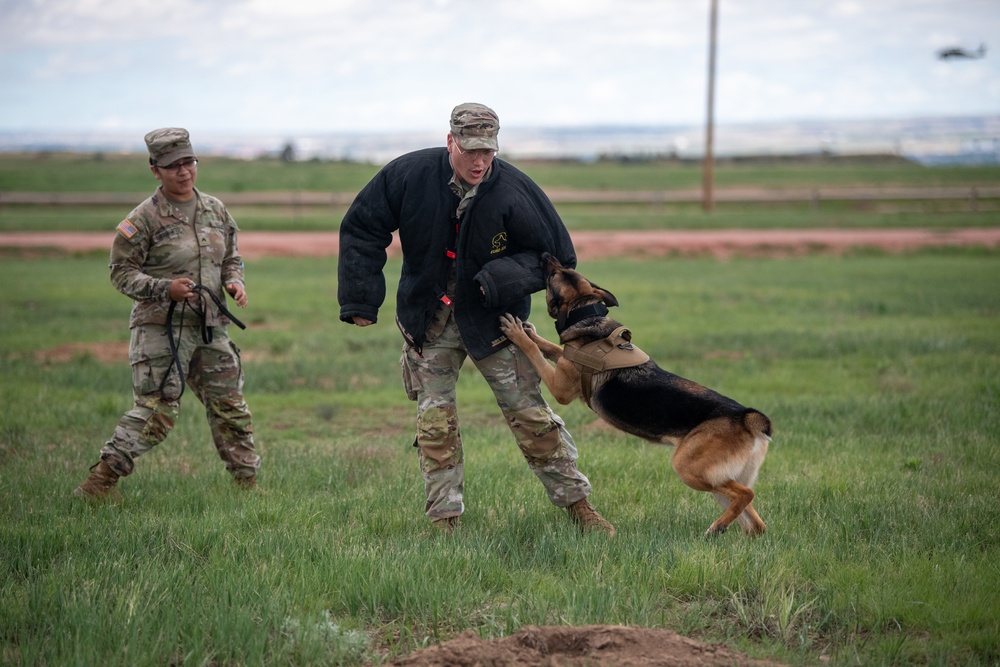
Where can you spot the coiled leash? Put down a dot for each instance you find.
(206, 331)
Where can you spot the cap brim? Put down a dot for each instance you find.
(170, 158)
(475, 143)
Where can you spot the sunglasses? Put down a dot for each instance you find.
(485, 153)
(177, 166)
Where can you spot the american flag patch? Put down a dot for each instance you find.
(127, 229)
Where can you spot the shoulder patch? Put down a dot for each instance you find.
(127, 229)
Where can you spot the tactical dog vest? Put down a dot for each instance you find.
(615, 351)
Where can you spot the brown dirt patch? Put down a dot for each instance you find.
(721, 243)
(106, 353)
(590, 646)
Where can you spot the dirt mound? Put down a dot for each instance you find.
(589, 645)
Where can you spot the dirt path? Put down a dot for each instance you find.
(589, 244)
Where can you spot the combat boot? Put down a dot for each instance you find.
(447, 525)
(99, 484)
(583, 514)
(247, 483)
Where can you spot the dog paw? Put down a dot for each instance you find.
(509, 323)
(513, 328)
(714, 530)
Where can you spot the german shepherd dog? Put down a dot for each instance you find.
(719, 444)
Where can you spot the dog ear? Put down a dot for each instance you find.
(607, 297)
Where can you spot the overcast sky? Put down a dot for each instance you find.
(314, 66)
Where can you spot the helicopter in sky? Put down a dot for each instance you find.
(953, 52)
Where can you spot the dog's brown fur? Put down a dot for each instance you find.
(719, 444)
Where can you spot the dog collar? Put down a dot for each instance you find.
(580, 314)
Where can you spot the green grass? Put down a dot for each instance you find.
(75, 172)
(881, 374)
(781, 175)
(41, 218)
(130, 174)
(78, 172)
(941, 215)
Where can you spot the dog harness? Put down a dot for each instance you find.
(615, 351)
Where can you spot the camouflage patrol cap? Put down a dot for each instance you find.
(168, 144)
(475, 126)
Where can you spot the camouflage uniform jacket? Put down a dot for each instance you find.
(156, 244)
(508, 224)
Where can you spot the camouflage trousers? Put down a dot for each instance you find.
(541, 435)
(214, 374)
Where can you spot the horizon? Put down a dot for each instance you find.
(968, 137)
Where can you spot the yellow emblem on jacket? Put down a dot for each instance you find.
(499, 243)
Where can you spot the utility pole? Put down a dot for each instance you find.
(707, 202)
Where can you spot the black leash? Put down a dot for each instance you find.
(206, 331)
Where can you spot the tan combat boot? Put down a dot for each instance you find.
(99, 484)
(583, 514)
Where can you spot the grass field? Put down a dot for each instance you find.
(74, 172)
(881, 374)
(130, 174)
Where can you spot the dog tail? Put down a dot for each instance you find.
(757, 422)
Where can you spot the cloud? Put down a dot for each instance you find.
(340, 65)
